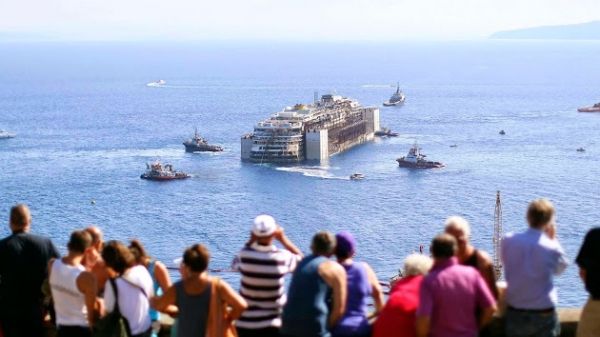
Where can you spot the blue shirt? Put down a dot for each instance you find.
(531, 259)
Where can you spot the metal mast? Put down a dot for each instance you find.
(497, 236)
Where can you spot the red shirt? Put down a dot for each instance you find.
(397, 319)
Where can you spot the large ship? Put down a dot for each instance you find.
(397, 98)
(199, 144)
(416, 159)
(310, 131)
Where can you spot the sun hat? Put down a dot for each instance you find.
(264, 225)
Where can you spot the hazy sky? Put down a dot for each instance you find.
(285, 19)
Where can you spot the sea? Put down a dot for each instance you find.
(87, 124)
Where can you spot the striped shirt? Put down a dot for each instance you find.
(262, 284)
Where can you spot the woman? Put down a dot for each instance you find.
(397, 319)
(362, 283)
(134, 287)
(160, 277)
(199, 298)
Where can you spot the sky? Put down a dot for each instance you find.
(288, 20)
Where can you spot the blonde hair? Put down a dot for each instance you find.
(459, 223)
(416, 264)
(540, 213)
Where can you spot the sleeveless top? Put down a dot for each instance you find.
(69, 302)
(354, 322)
(473, 260)
(305, 313)
(154, 315)
(193, 311)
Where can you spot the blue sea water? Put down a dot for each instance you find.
(87, 124)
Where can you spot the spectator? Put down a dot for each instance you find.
(198, 298)
(306, 313)
(73, 289)
(361, 283)
(397, 319)
(450, 295)
(467, 254)
(158, 272)
(134, 288)
(588, 261)
(531, 259)
(23, 268)
(263, 267)
(92, 259)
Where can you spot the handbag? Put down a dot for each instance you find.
(113, 324)
(218, 325)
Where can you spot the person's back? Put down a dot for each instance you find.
(193, 309)
(69, 301)
(588, 261)
(23, 268)
(398, 316)
(354, 322)
(305, 313)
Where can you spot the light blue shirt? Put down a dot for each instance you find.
(531, 259)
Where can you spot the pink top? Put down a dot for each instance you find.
(450, 295)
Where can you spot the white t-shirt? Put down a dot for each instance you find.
(133, 302)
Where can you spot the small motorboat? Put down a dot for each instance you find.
(157, 171)
(357, 176)
(502, 132)
(6, 134)
(580, 149)
(453, 145)
(385, 132)
(593, 108)
(158, 83)
(396, 99)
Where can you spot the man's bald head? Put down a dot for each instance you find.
(97, 237)
(20, 218)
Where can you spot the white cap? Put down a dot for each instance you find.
(264, 225)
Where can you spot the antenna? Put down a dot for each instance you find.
(497, 240)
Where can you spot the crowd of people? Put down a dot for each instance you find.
(451, 292)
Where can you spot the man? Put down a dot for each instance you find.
(467, 255)
(588, 261)
(73, 289)
(531, 259)
(451, 294)
(92, 259)
(23, 268)
(263, 267)
(306, 312)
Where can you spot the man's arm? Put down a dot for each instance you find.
(286, 242)
(377, 293)
(238, 303)
(582, 274)
(486, 269)
(86, 283)
(335, 276)
(166, 301)
(422, 326)
(486, 316)
(162, 275)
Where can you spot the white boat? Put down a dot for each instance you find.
(357, 176)
(158, 83)
(6, 134)
(396, 99)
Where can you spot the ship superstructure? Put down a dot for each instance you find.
(310, 131)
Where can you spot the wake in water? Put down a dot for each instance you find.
(312, 171)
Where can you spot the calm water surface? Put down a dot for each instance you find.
(87, 124)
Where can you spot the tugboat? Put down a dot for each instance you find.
(502, 132)
(5, 134)
(199, 144)
(155, 84)
(396, 99)
(385, 132)
(415, 159)
(357, 176)
(593, 108)
(156, 171)
(580, 149)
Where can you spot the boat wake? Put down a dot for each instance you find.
(312, 171)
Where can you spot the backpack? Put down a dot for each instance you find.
(113, 324)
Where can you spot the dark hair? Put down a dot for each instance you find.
(79, 241)
(20, 215)
(196, 258)
(540, 213)
(117, 256)
(443, 246)
(138, 251)
(323, 243)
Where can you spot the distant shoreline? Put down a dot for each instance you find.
(579, 32)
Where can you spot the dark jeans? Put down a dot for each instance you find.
(73, 331)
(264, 332)
(23, 322)
(532, 324)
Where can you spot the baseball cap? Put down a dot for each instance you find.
(264, 225)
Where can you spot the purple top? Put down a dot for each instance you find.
(450, 295)
(354, 322)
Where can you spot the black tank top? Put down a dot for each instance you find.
(472, 261)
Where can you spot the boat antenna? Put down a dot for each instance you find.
(397, 87)
(497, 239)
